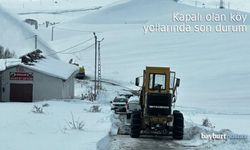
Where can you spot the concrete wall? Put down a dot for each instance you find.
(44, 87)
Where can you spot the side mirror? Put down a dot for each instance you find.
(137, 81)
(178, 82)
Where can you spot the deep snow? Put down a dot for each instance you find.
(213, 67)
(18, 37)
(241, 5)
(22, 129)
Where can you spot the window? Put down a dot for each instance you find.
(157, 81)
(172, 80)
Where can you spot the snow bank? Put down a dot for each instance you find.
(194, 137)
(104, 143)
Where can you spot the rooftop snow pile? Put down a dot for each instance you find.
(16, 36)
(49, 66)
(53, 67)
(8, 62)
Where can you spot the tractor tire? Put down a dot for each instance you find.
(178, 125)
(128, 115)
(135, 124)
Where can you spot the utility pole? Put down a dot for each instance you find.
(203, 5)
(35, 42)
(52, 33)
(95, 63)
(222, 4)
(99, 65)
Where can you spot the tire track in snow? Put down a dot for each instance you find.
(125, 142)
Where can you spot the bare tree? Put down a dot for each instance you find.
(1, 51)
(6, 53)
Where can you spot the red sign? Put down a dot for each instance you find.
(21, 76)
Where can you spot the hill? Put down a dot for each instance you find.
(18, 37)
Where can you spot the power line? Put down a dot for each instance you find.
(30, 37)
(76, 45)
(71, 47)
(79, 50)
(77, 30)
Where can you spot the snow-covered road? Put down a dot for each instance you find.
(125, 142)
(193, 139)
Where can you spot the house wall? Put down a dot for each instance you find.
(45, 87)
(68, 88)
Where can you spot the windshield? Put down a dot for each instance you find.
(157, 81)
(120, 100)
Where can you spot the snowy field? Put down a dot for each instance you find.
(23, 129)
(241, 5)
(213, 67)
(21, 6)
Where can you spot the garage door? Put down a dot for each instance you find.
(21, 92)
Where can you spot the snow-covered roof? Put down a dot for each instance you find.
(4, 63)
(49, 66)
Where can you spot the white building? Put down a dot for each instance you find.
(46, 79)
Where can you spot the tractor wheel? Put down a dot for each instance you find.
(178, 125)
(135, 124)
(128, 115)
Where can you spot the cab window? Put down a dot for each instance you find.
(157, 81)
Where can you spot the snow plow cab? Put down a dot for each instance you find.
(157, 96)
